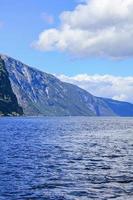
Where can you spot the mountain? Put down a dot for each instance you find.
(40, 93)
(8, 101)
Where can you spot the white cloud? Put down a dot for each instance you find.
(47, 18)
(118, 88)
(96, 28)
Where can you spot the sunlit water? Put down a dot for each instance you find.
(70, 158)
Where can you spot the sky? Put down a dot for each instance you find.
(88, 42)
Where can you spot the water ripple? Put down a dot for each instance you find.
(70, 158)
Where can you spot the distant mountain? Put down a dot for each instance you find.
(40, 93)
(8, 101)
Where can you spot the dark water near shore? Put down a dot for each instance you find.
(70, 158)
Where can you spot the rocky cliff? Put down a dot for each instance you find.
(8, 101)
(40, 93)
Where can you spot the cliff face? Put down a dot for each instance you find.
(40, 93)
(8, 101)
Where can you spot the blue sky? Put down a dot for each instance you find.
(21, 24)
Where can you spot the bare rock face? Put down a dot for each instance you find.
(8, 101)
(40, 93)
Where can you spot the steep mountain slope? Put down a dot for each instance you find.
(8, 100)
(40, 93)
(122, 109)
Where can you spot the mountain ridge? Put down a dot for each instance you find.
(40, 93)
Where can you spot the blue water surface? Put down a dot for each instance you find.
(66, 158)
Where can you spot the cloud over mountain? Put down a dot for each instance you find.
(95, 28)
(118, 88)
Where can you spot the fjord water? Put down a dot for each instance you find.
(66, 158)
